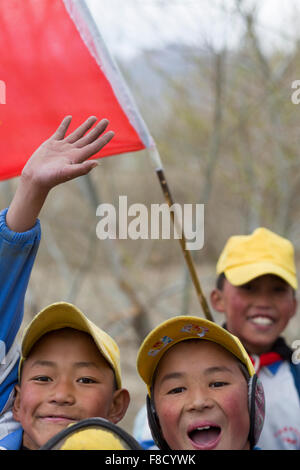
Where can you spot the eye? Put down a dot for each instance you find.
(218, 384)
(86, 380)
(176, 390)
(42, 378)
(280, 288)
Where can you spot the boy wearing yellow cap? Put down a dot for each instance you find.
(256, 291)
(57, 160)
(203, 393)
(69, 370)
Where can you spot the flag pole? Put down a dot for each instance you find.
(90, 33)
(182, 240)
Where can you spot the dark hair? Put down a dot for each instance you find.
(220, 281)
(244, 370)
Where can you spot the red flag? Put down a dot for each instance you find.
(53, 63)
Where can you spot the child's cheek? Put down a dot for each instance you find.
(32, 397)
(238, 303)
(229, 404)
(236, 314)
(235, 404)
(168, 413)
(167, 421)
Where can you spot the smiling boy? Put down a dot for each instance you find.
(198, 377)
(69, 371)
(256, 291)
(59, 159)
(256, 288)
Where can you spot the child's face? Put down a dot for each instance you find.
(199, 385)
(65, 379)
(256, 312)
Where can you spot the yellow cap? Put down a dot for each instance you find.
(92, 434)
(181, 328)
(65, 315)
(92, 439)
(246, 257)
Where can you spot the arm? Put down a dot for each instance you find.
(17, 255)
(57, 160)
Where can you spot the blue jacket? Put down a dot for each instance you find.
(17, 255)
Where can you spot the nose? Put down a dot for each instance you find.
(62, 393)
(199, 400)
(263, 299)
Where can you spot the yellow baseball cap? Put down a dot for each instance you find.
(91, 439)
(92, 434)
(246, 257)
(181, 328)
(65, 315)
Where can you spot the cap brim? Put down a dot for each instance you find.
(240, 275)
(181, 328)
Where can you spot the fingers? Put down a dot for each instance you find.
(60, 132)
(94, 147)
(80, 169)
(93, 134)
(81, 130)
(78, 136)
(88, 145)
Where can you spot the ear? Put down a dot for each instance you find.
(119, 405)
(17, 403)
(217, 300)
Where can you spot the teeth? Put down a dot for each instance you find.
(204, 428)
(262, 320)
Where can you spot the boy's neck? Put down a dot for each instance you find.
(279, 347)
(258, 351)
(254, 349)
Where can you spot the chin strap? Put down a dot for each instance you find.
(155, 426)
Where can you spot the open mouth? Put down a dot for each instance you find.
(205, 437)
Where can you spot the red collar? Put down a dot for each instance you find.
(264, 359)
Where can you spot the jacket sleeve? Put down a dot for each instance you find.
(17, 255)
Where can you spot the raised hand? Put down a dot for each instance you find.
(57, 160)
(61, 158)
